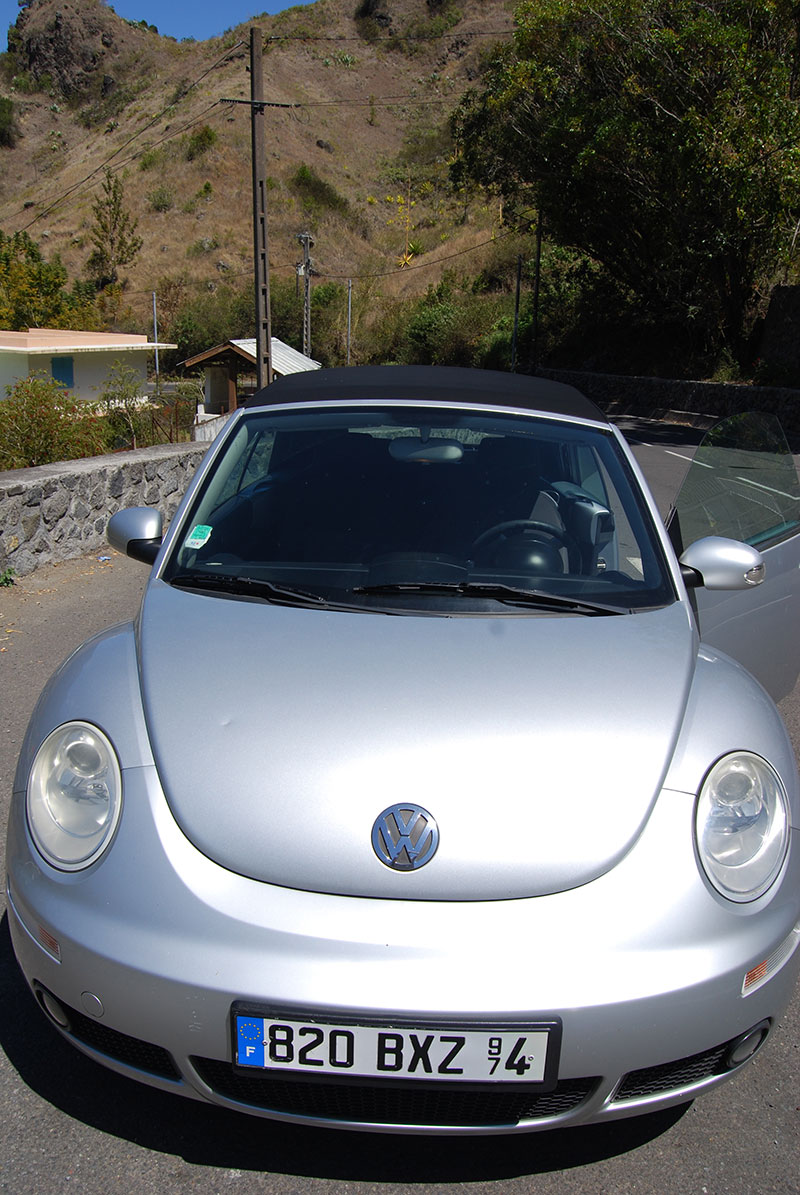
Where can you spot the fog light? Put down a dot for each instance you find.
(52, 1007)
(744, 1047)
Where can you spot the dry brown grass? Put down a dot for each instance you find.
(207, 238)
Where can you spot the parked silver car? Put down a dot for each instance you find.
(428, 791)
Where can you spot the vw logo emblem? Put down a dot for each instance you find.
(405, 837)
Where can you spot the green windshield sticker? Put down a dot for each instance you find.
(199, 536)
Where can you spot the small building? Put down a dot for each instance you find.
(230, 370)
(80, 361)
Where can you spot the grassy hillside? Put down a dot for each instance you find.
(358, 156)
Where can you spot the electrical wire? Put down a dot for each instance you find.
(392, 37)
(154, 120)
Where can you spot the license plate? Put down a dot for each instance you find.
(518, 1054)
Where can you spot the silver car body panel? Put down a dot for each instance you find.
(317, 721)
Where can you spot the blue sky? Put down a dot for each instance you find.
(179, 18)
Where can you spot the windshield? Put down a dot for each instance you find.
(408, 509)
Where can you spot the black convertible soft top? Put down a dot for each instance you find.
(440, 383)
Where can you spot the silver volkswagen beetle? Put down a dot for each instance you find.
(437, 786)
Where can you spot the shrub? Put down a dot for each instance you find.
(151, 158)
(161, 199)
(127, 415)
(40, 422)
(8, 132)
(316, 193)
(199, 142)
(204, 245)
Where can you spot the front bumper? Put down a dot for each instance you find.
(644, 967)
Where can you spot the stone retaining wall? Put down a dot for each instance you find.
(700, 403)
(56, 512)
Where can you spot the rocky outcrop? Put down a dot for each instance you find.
(71, 44)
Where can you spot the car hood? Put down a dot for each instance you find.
(538, 744)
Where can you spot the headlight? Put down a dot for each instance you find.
(742, 826)
(74, 796)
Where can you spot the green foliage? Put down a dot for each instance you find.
(161, 198)
(662, 139)
(113, 233)
(286, 307)
(7, 577)
(8, 125)
(25, 83)
(341, 58)
(33, 291)
(199, 142)
(151, 159)
(203, 194)
(175, 407)
(41, 423)
(97, 107)
(444, 15)
(203, 245)
(127, 415)
(206, 320)
(316, 194)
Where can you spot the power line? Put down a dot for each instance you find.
(291, 267)
(392, 37)
(154, 120)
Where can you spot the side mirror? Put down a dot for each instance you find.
(136, 532)
(719, 563)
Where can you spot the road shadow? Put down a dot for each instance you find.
(208, 1136)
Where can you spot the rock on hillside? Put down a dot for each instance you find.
(70, 47)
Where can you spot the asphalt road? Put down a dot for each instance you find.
(67, 1124)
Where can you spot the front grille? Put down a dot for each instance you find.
(417, 1104)
(652, 1080)
(120, 1046)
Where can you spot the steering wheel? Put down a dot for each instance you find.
(513, 527)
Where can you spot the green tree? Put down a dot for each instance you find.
(660, 137)
(127, 412)
(40, 422)
(33, 291)
(113, 233)
(207, 319)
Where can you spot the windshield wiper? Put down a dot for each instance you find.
(510, 594)
(268, 591)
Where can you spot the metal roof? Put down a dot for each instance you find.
(285, 359)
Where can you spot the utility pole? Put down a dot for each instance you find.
(305, 269)
(260, 240)
(349, 314)
(155, 338)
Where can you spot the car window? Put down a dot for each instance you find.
(742, 483)
(347, 501)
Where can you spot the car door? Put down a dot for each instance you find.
(743, 484)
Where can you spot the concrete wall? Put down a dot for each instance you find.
(90, 369)
(56, 512)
